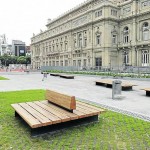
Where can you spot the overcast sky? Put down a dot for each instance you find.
(19, 19)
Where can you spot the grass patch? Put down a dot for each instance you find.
(2, 78)
(113, 130)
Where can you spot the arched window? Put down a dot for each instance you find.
(75, 43)
(80, 40)
(145, 31)
(126, 35)
(145, 58)
(98, 39)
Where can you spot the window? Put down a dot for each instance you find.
(145, 58)
(79, 63)
(98, 62)
(50, 64)
(126, 10)
(126, 35)
(61, 63)
(66, 62)
(114, 39)
(61, 47)
(145, 30)
(57, 63)
(146, 3)
(49, 48)
(98, 13)
(46, 50)
(74, 62)
(84, 62)
(66, 46)
(85, 42)
(53, 63)
(113, 12)
(75, 43)
(57, 47)
(98, 39)
(80, 40)
(126, 57)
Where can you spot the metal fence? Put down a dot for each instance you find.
(117, 69)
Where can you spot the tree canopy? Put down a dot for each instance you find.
(5, 60)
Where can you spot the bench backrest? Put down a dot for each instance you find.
(60, 99)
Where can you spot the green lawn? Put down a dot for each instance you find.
(114, 131)
(2, 78)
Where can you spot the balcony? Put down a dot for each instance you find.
(53, 54)
(142, 43)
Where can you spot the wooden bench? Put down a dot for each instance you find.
(147, 91)
(44, 72)
(66, 76)
(108, 83)
(54, 74)
(58, 111)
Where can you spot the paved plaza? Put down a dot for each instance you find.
(135, 102)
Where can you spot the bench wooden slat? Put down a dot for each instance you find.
(57, 118)
(146, 89)
(63, 111)
(44, 121)
(86, 109)
(91, 107)
(32, 121)
(61, 99)
(54, 119)
(87, 112)
(62, 117)
(80, 113)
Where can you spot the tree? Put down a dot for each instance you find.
(14, 59)
(21, 60)
(28, 60)
(5, 60)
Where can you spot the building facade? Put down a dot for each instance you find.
(4, 47)
(18, 48)
(98, 33)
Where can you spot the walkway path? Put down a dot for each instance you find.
(83, 87)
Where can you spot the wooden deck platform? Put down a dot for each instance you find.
(66, 76)
(147, 91)
(54, 74)
(108, 83)
(38, 114)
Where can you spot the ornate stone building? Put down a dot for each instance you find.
(105, 33)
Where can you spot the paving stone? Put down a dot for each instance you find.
(135, 103)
